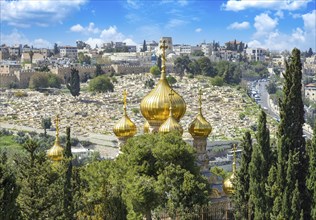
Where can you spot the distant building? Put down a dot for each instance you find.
(256, 54)
(310, 91)
(68, 51)
(4, 53)
(309, 66)
(168, 43)
(185, 49)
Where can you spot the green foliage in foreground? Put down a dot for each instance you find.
(44, 80)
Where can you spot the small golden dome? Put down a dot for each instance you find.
(56, 152)
(199, 127)
(125, 127)
(171, 124)
(228, 185)
(146, 127)
(155, 105)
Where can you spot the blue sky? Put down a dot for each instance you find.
(273, 24)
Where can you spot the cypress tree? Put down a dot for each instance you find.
(68, 191)
(241, 195)
(73, 82)
(9, 191)
(290, 138)
(311, 181)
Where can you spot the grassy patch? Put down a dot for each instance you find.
(8, 144)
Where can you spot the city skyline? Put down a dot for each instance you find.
(272, 24)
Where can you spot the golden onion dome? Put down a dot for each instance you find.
(199, 127)
(146, 127)
(155, 105)
(228, 185)
(171, 124)
(125, 127)
(56, 152)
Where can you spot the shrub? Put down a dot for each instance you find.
(171, 80)
(20, 94)
(101, 84)
(217, 81)
(155, 71)
(44, 80)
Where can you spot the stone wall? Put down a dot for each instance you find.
(7, 79)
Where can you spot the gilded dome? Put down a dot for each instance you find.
(228, 186)
(171, 124)
(155, 105)
(199, 127)
(146, 127)
(125, 127)
(55, 153)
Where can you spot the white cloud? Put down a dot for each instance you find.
(183, 2)
(198, 30)
(16, 37)
(239, 5)
(172, 23)
(77, 28)
(135, 4)
(90, 29)
(27, 13)
(264, 24)
(239, 26)
(295, 15)
(108, 35)
(310, 21)
(279, 14)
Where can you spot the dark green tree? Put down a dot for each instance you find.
(56, 50)
(68, 189)
(311, 181)
(181, 64)
(73, 82)
(310, 53)
(149, 83)
(241, 196)
(154, 70)
(159, 62)
(9, 190)
(98, 70)
(46, 124)
(41, 186)
(31, 54)
(144, 49)
(290, 139)
(171, 80)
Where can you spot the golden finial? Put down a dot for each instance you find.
(163, 59)
(200, 100)
(171, 94)
(124, 101)
(234, 157)
(57, 120)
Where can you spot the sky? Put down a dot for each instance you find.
(270, 24)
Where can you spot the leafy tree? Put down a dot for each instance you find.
(73, 82)
(54, 81)
(271, 87)
(219, 172)
(44, 69)
(154, 70)
(291, 139)
(46, 124)
(101, 84)
(194, 67)
(198, 53)
(83, 59)
(310, 52)
(171, 80)
(154, 166)
(241, 196)
(206, 66)
(182, 64)
(31, 53)
(40, 195)
(98, 70)
(217, 81)
(9, 191)
(38, 80)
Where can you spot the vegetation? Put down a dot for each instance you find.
(149, 83)
(98, 70)
(84, 59)
(101, 84)
(171, 80)
(154, 70)
(44, 80)
(73, 82)
(46, 124)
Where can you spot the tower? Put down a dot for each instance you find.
(124, 128)
(55, 153)
(155, 105)
(200, 129)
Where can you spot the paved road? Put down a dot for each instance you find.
(265, 105)
(105, 144)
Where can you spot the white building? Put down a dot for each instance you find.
(168, 43)
(68, 51)
(310, 91)
(256, 54)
